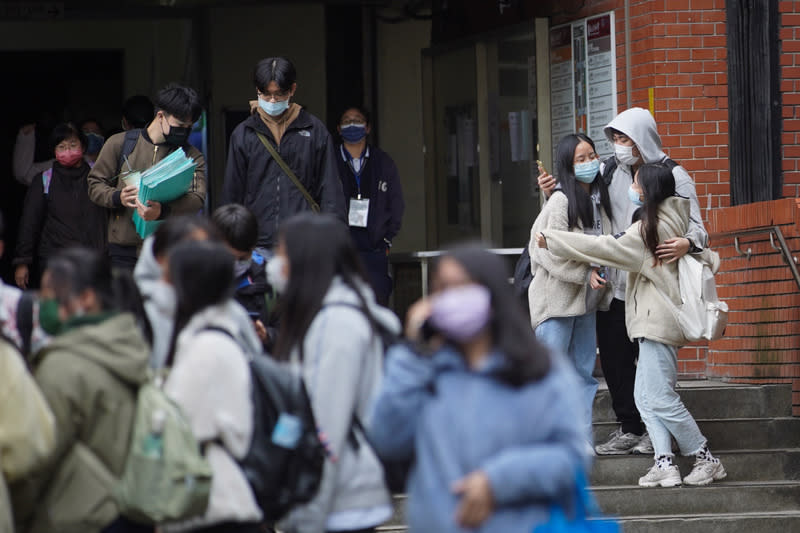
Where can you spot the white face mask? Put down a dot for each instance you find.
(275, 275)
(625, 154)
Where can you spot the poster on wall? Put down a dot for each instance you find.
(583, 79)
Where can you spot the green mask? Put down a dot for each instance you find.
(48, 316)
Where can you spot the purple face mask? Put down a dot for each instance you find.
(461, 313)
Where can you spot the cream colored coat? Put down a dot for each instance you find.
(647, 315)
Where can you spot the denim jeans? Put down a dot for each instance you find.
(661, 407)
(576, 338)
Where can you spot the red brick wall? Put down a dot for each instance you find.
(790, 91)
(762, 341)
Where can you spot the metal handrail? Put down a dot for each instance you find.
(782, 247)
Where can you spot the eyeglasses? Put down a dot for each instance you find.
(275, 97)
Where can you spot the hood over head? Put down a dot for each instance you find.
(640, 126)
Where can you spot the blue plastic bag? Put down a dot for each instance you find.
(588, 518)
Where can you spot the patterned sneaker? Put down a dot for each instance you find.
(665, 477)
(704, 472)
(618, 443)
(644, 446)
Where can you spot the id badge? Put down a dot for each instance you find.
(287, 431)
(359, 211)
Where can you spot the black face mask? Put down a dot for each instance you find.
(177, 135)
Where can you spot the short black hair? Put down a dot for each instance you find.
(237, 225)
(138, 110)
(366, 114)
(277, 69)
(64, 131)
(180, 102)
(177, 229)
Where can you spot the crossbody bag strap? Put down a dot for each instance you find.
(288, 171)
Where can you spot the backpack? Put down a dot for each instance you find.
(701, 314)
(166, 477)
(609, 165)
(523, 278)
(285, 461)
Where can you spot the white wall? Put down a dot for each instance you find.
(400, 112)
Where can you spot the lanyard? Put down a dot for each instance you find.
(362, 162)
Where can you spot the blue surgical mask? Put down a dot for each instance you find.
(587, 172)
(95, 143)
(635, 197)
(353, 133)
(273, 109)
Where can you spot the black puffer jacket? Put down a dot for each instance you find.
(254, 179)
(63, 217)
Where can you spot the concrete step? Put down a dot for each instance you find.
(742, 465)
(716, 400)
(777, 522)
(734, 434)
(719, 497)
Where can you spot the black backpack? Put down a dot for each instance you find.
(280, 477)
(523, 278)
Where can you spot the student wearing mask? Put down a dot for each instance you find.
(328, 328)
(375, 198)
(565, 295)
(57, 211)
(178, 108)
(255, 178)
(634, 134)
(661, 215)
(95, 139)
(137, 112)
(493, 420)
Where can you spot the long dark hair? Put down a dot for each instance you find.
(580, 203)
(202, 274)
(527, 359)
(319, 248)
(658, 184)
(74, 270)
(179, 228)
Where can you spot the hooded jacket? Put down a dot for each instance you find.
(210, 381)
(380, 183)
(63, 217)
(342, 369)
(27, 427)
(455, 420)
(255, 180)
(105, 187)
(640, 126)
(90, 376)
(647, 315)
(559, 286)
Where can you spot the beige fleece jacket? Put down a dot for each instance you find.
(646, 313)
(559, 284)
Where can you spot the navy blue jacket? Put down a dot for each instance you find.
(380, 183)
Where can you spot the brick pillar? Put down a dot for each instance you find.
(790, 92)
(762, 341)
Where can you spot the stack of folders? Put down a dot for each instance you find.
(165, 181)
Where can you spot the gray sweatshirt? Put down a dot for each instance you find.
(640, 126)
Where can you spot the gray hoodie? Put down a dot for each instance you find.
(640, 126)
(343, 369)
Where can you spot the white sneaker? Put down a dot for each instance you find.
(664, 477)
(644, 446)
(704, 472)
(618, 443)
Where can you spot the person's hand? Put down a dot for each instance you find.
(541, 242)
(128, 196)
(673, 249)
(596, 281)
(27, 129)
(149, 212)
(477, 500)
(416, 316)
(546, 182)
(261, 331)
(21, 276)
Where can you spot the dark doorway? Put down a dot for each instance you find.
(45, 88)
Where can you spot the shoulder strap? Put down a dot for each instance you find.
(47, 177)
(670, 164)
(131, 138)
(609, 166)
(288, 171)
(25, 320)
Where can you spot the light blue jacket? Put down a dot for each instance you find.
(529, 440)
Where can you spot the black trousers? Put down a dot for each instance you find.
(376, 262)
(618, 359)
